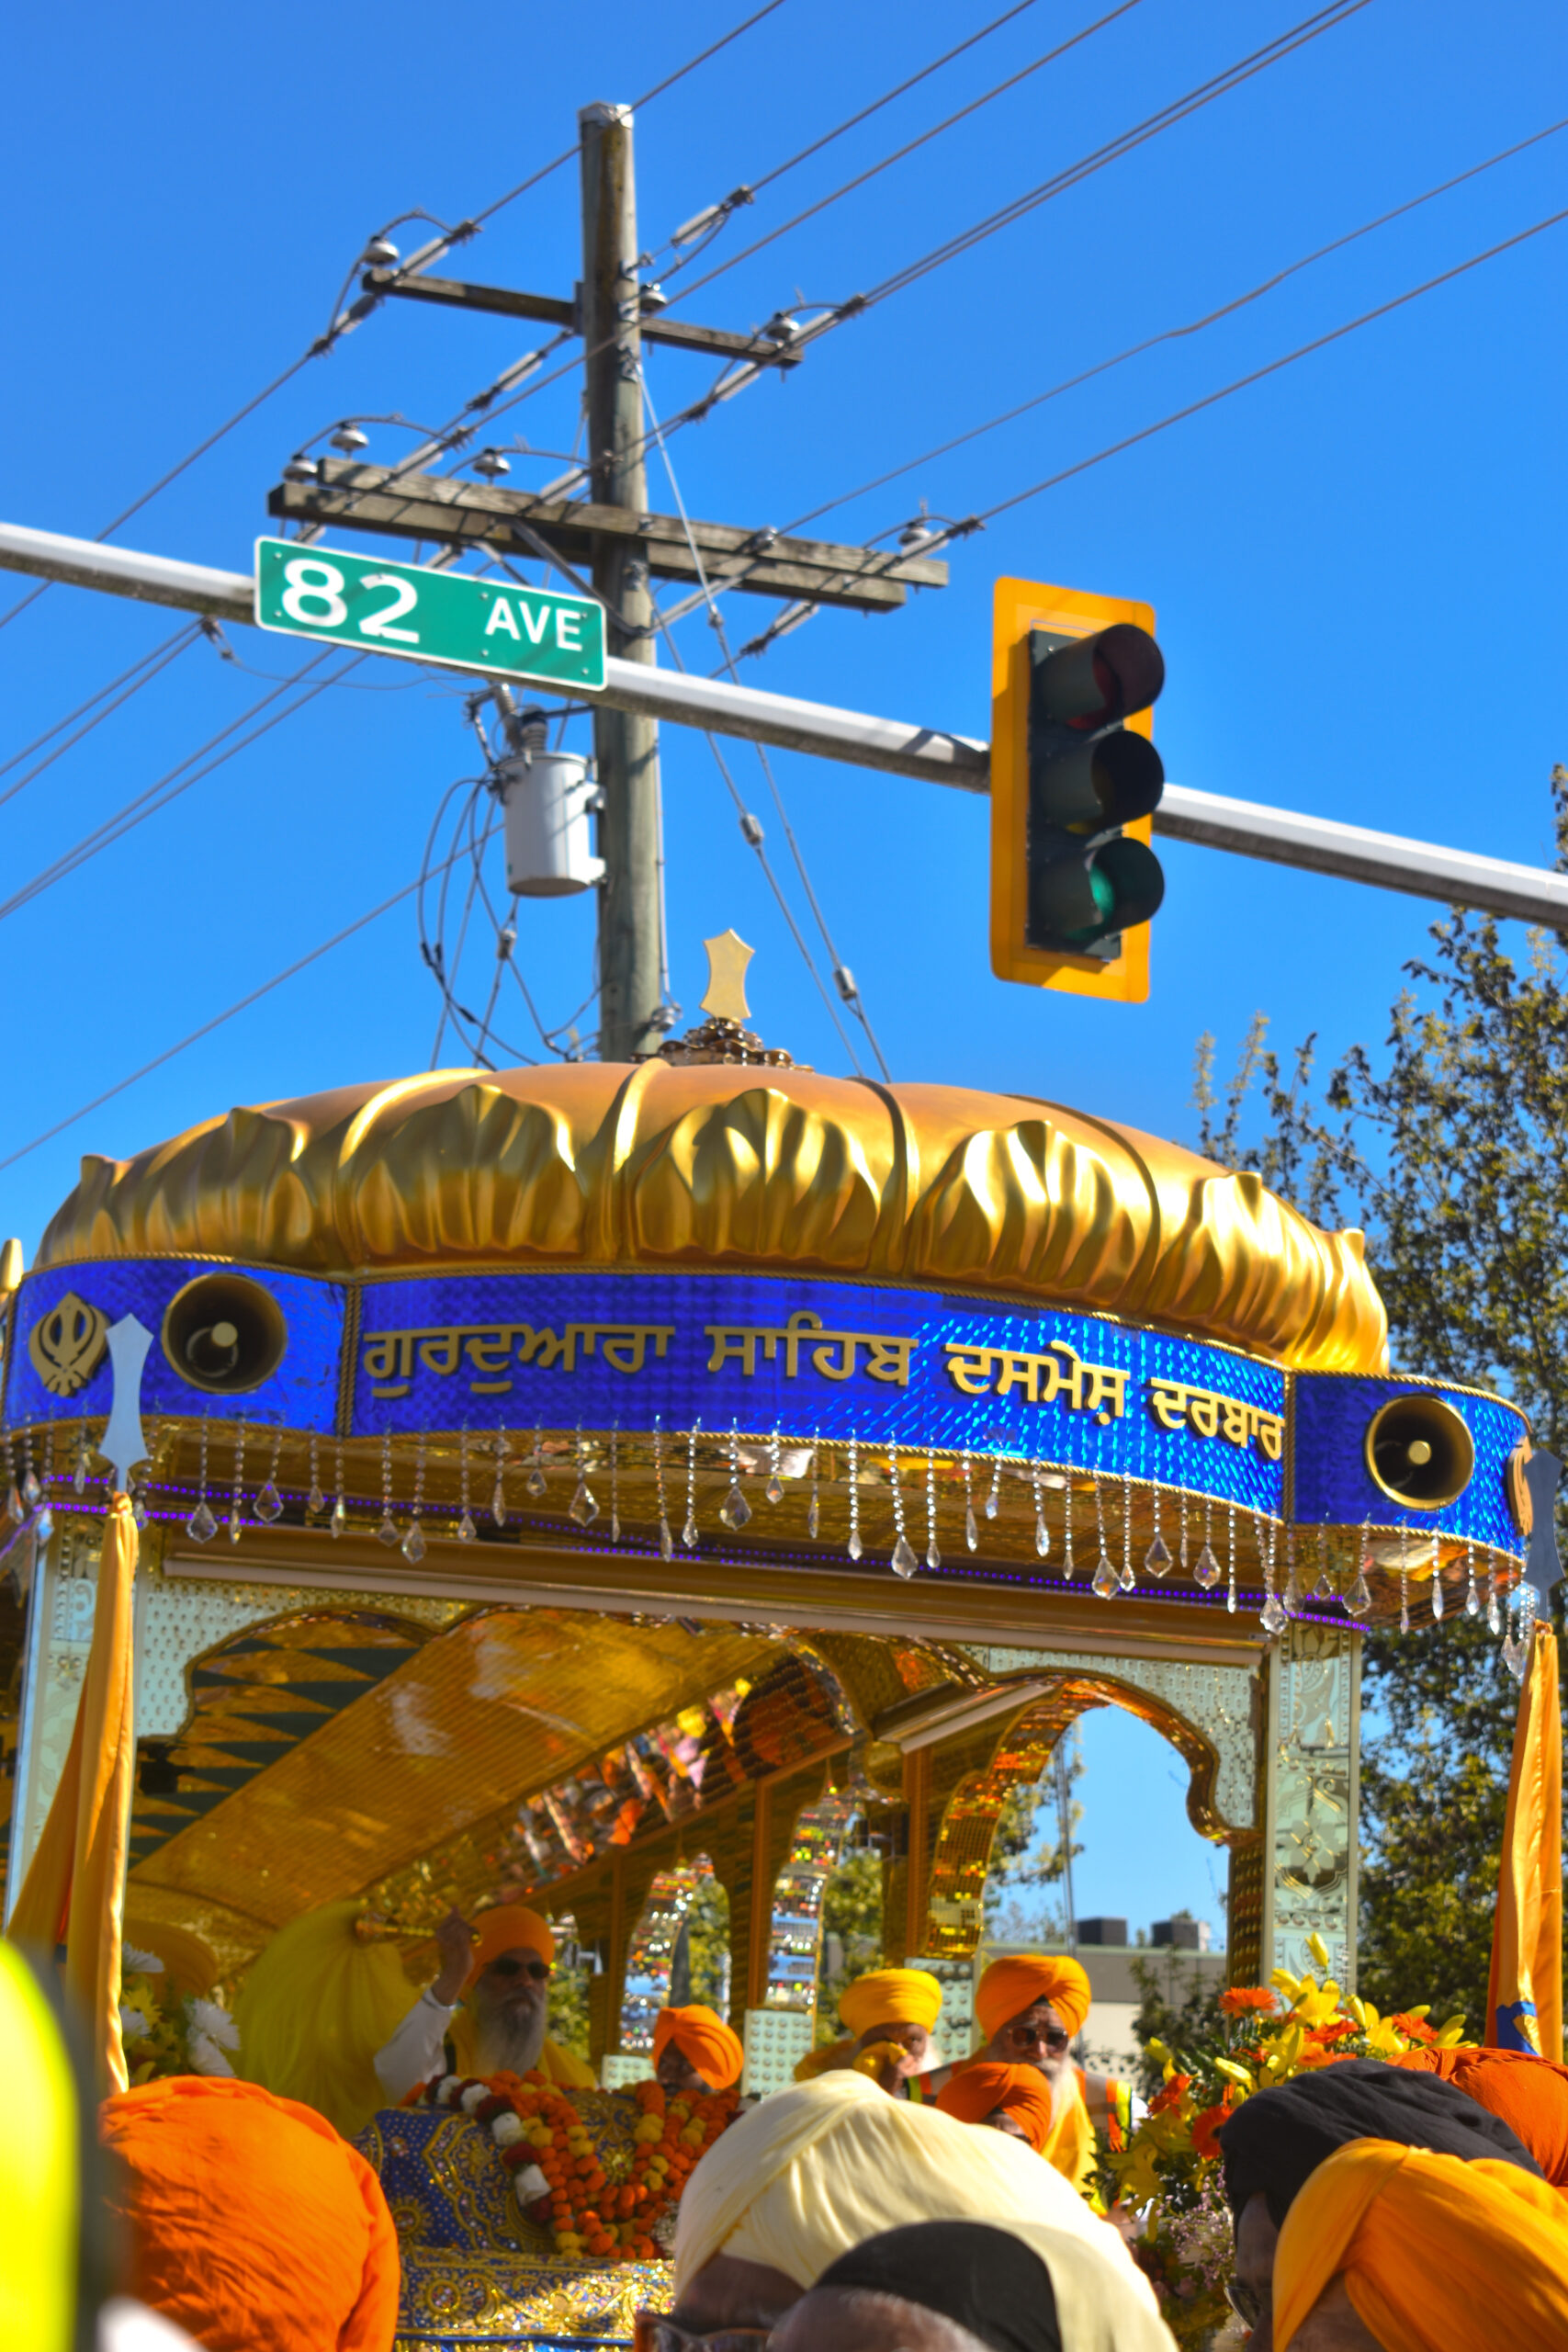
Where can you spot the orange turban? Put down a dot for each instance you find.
(891, 1996)
(975, 2092)
(1011, 1986)
(1528, 2094)
(250, 2222)
(1439, 2256)
(511, 1927)
(704, 2040)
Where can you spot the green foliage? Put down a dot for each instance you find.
(1433, 1786)
(569, 2009)
(1452, 1152)
(1179, 2008)
(707, 1930)
(851, 1932)
(1029, 1852)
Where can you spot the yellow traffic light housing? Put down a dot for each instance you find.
(1074, 882)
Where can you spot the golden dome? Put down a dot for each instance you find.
(611, 1164)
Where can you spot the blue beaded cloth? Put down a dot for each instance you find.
(475, 2269)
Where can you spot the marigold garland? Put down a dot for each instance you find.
(556, 2176)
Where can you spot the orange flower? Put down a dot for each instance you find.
(1238, 1999)
(1413, 2028)
(1204, 2127)
(1170, 2094)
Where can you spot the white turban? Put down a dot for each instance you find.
(816, 2170)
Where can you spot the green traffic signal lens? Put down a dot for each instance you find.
(1075, 902)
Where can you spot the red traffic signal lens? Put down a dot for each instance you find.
(1097, 680)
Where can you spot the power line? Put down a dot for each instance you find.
(1174, 334)
(568, 153)
(151, 666)
(851, 122)
(1073, 175)
(910, 148)
(1220, 86)
(1256, 375)
(346, 320)
(360, 924)
(169, 787)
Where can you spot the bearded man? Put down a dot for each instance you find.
(488, 2011)
(1030, 2007)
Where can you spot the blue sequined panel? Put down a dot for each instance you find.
(1334, 1488)
(300, 1395)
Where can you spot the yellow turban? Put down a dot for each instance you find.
(1011, 1986)
(1439, 2256)
(704, 2040)
(891, 1996)
(511, 1927)
(804, 2175)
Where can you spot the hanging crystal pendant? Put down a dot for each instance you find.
(236, 1524)
(413, 1544)
(814, 1516)
(1105, 1580)
(735, 1511)
(1472, 1599)
(933, 1554)
(1274, 1615)
(139, 1507)
(994, 1500)
(388, 1533)
(267, 1503)
(1042, 1537)
(689, 1532)
(666, 1540)
(202, 1527)
(1206, 1569)
(79, 1476)
(583, 1507)
(1514, 1657)
(339, 1519)
(971, 1531)
(32, 1493)
(533, 1484)
(773, 1490)
(1157, 1559)
(465, 1529)
(1358, 1599)
(1126, 1580)
(903, 1563)
(315, 1501)
(1437, 1597)
(854, 1546)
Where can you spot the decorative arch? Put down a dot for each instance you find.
(1214, 1732)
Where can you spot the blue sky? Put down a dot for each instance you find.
(1356, 564)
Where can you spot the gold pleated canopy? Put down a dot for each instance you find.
(710, 1165)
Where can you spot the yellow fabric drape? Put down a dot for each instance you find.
(1524, 1994)
(315, 2009)
(74, 1889)
(556, 2064)
(1071, 2146)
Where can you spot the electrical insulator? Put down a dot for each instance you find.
(548, 797)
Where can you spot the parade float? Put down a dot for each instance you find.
(570, 1486)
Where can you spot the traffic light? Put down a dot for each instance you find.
(1075, 781)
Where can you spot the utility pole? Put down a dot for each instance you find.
(625, 743)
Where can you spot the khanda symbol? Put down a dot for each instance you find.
(67, 1345)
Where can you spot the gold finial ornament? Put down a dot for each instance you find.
(727, 958)
(13, 1266)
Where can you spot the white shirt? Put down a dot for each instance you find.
(415, 2051)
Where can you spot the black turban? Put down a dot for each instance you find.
(1278, 2137)
(981, 2278)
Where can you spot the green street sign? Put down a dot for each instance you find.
(426, 615)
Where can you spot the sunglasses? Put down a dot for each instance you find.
(511, 1963)
(651, 2332)
(1245, 2301)
(1053, 2038)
